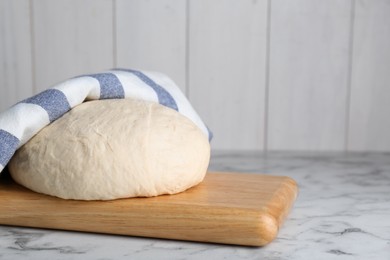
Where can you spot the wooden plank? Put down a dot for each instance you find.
(369, 125)
(227, 60)
(308, 74)
(151, 35)
(15, 52)
(71, 38)
(250, 206)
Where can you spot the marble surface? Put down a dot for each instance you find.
(342, 212)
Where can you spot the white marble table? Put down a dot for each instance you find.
(342, 212)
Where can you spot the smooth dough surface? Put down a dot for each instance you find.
(110, 149)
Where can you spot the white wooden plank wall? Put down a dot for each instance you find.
(264, 75)
(369, 121)
(309, 43)
(227, 69)
(16, 78)
(152, 36)
(71, 37)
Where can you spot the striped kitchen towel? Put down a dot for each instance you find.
(22, 121)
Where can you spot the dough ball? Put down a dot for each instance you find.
(104, 150)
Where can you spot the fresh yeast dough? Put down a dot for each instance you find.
(110, 149)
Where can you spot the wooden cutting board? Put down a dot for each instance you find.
(230, 208)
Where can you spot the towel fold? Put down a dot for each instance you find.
(22, 121)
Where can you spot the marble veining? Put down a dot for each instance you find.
(342, 212)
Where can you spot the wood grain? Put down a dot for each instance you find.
(227, 70)
(15, 52)
(369, 124)
(231, 208)
(151, 35)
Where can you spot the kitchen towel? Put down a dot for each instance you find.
(22, 121)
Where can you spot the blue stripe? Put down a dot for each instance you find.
(211, 135)
(110, 86)
(164, 98)
(52, 100)
(8, 145)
